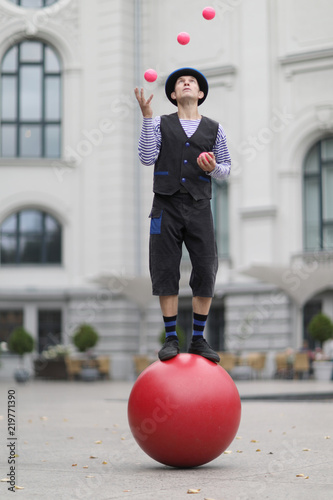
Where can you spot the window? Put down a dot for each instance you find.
(220, 208)
(30, 96)
(318, 200)
(33, 4)
(9, 320)
(30, 237)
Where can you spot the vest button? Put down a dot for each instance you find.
(187, 144)
(185, 161)
(183, 179)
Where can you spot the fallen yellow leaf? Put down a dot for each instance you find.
(306, 449)
(74, 465)
(254, 441)
(98, 442)
(227, 452)
(85, 467)
(299, 475)
(90, 476)
(258, 449)
(91, 456)
(239, 451)
(19, 487)
(104, 463)
(44, 418)
(191, 491)
(327, 437)
(5, 480)
(238, 437)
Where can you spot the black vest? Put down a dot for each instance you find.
(176, 165)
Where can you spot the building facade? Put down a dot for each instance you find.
(74, 199)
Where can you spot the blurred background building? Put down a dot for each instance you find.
(74, 199)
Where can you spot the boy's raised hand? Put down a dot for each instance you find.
(144, 103)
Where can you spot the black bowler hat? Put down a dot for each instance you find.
(173, 77)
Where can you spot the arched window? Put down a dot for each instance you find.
(31, 101)
(33, 4)
(220, 208)
(318, 199)
(30, 237)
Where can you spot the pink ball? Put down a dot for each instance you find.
(208, 13)
(183, 38)
(184, 412)
(150, 75)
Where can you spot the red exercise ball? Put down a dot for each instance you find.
(184, 412)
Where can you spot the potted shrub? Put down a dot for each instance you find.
(85, 338)
(321, 330)
(21, 342)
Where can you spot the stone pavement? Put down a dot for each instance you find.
(73, 442)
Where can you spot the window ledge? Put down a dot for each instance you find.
(323, 258)
(36, 162)
(31, 266)
(258, 212)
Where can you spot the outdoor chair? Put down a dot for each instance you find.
(257, 361)
(227, 360)
(283, 368)
(73, 367)
(301, 365)
(141, 362)
(103, 365)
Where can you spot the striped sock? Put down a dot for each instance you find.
(170, 326)
(199, 323)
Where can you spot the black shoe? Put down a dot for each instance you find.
(202, 348)
(169, 350)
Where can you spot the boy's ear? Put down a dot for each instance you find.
(173, 95)
(201, 94)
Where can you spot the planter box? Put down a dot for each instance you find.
(322, 370)
(52, 369)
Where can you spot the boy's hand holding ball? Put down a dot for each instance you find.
(206, 161)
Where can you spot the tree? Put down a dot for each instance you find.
(85, 337)
(20, 342)
(321, 328)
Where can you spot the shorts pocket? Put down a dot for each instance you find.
(201, 204)
(156, 220)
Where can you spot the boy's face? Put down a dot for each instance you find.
(187, 87)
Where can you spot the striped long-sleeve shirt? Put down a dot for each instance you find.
(151, 139)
